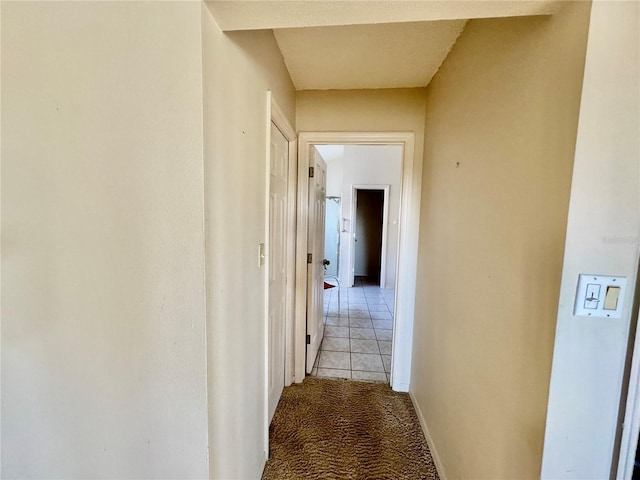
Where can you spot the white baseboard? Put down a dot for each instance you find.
(400, 387)
(262, 464)
(427, 435)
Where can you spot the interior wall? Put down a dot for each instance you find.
(602, 237)
(385, 110)
(103, 306)
(367, 165)
(241, 66)
(372, 165)
(389, 110)
(333, 221)
(501, 121)
(332, 226)
(335, 172)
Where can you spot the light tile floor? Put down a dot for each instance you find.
(357, 334)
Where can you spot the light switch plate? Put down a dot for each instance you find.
(592, 293)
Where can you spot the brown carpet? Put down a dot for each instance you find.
(343, 429)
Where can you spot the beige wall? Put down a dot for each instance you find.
(238, 71)
(500, 133)
(392, 110)
(386, 110)
(103, 311)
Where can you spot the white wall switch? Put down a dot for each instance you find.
(592, 297)
(611, 298)
(599, 296)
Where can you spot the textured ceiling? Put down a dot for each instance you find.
(365, 44)
(392, 55)
(271, 14)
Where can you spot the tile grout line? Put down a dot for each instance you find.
(361, 296)
(375, 334)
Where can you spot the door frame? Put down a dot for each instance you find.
(276, 115)
(411, 186)
(315, 267)
(385, 217)
(629, 415)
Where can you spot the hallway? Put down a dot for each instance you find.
(358, 332)
(340, 429)
(137, 244)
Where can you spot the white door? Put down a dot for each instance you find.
(315, 271)
(278, 189)
(354, 237)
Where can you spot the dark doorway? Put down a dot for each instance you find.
(368, 234)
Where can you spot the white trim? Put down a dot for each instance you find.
(427, 436)
(401, 387)
(385, 237)
(291, 265)
(407, 245)
(276, 116)
(385, 217)
(280, 120)
(261, 464)
(265, 276)
(631, 425)
(300, 329)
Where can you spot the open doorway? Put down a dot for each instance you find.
(371, 227)
(401, 252)
(367, 238)
(358, 304)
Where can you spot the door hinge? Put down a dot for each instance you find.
(312, 172)
(309, 257)
(308, 339)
